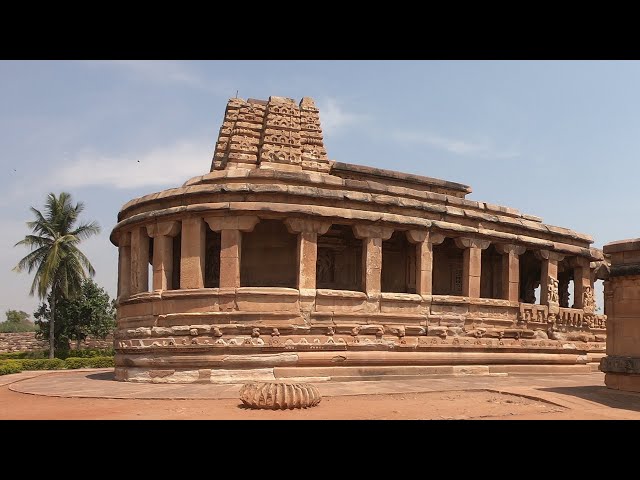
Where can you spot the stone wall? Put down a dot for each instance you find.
(21, 342)
(27, 342)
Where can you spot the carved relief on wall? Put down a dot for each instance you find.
(588, 300)
(325, 266)
(552, 290)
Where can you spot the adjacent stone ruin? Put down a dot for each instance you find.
(622, 300)
(282, 263)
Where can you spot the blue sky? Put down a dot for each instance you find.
(558, 139)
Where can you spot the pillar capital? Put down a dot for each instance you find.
(300, 225)
(549, 255)
(506, 248)
(578, 262)
(363, 232)
(244, 223)
(123, 239)
(471, 242)
(167, 229)
(419, 236)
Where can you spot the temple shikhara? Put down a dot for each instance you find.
(281, 263)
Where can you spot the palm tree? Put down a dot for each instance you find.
(58, 263)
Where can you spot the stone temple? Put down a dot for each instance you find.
(281, 263)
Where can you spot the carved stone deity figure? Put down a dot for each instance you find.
(588, 300)
(552, 288)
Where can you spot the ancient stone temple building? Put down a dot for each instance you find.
(282, 263)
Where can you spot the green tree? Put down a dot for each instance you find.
(17, 321)
(58, 263)
(91, 312)
(16, 316)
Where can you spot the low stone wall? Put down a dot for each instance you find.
(21, 342)
(27, 342)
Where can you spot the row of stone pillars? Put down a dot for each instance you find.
(134, 254)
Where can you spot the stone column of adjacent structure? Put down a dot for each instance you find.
(139, 260)
(471, 264)
(124, 265)
(510, 270)
(581, 280)
(549, 279)
(622, 307)
(192, 252)
(162, 234)
(424, 241)
(231, 229)
(372, 238)
(307, 231)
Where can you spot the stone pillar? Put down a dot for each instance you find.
(307, 231)
(424, 241)
(581, 280)
(124, 265)
(162, 234)
(372, 237)
(471, 264)
(510, 270)
(192, 253)
(231, 229)
(139, 260)
(549, 294)
(622, 306)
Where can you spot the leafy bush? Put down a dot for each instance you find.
(19, 355)
(22, 364)
(62, 354)
(7, 368)
(92, 362)
(41, 364)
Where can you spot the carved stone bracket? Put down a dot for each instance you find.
(470, 242)
(505, 249)
(549, 255)
(166, 229)
(372, 231)
(299, 225)
(419, 236)
(242, 223)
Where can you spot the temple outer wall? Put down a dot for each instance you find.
(622, 304)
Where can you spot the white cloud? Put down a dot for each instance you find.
(168, 165)
(164, 72)
(482, 149)
(333, 117)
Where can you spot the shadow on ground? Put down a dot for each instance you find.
(602, 395)
(101, 376)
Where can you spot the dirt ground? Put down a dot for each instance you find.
(424, 406)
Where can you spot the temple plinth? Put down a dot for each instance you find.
(282, 263)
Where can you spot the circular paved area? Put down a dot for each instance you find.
(100, 383)
(95, 394)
